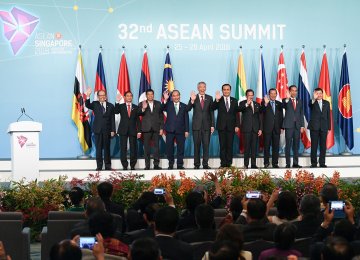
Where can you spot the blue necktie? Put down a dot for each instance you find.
(273, 106)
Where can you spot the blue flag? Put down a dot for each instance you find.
(168, 81)
(345, 105)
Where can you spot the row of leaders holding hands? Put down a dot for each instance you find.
(270, 119)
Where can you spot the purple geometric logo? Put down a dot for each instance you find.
(18, 27)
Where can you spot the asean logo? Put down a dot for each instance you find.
(22, 140)
(344, 102)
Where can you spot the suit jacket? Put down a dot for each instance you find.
(272, 121)
(319, 119)
(128, 125)
(176, 123)
(199, 235)
(103, 123)
(258, 230)
(174, 249)
(152, 120)
(202, 118)
(292, 115)
(226, 120)
(250, 121)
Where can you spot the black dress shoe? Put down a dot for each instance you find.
(125, 168)
(108, 169)
(254, 167)
(275, 166)
(181, 168)
(296, 166)
(313, 166)
(206, 167)
(133, 168)
(287, 166)
(196, 167)
(323, 166)
(169, 168)
(147, 168)
(157, 167)
(98, 169)
(246, 167)
(266, 165)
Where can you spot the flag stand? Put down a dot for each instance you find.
(83, 156)
(305, 153)
(346, 152)
(328, 153)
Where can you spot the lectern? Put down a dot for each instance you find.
(24, 139)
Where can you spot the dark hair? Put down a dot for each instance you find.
(193, 199)
(145, 248)
(337, 248)
(175, 90)
(286, 206)
(150, 211)
(248, 91)
(127, 92)
(329, 192)
(149, 90)
(235, 207)
(310, 206)
(65, 250)
(103, 223)
(93, 205)
(272, 89)
(166, 220)
(343, 228)
(256, 209)
(204, 215)
(146, 198)
(284, 236)
(224, 250)
(105, 190)
(319, 89)
(226, 84)
(292, 86)
(101, 90)
(231, 232)
(76, 195)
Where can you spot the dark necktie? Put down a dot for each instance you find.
(103, 107)
(294, 103)
(273, 106)
(227, 105)
(202, 102)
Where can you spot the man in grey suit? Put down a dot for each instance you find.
(293, 124)
(202, 123)
(319, 126)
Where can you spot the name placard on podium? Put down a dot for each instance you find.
(24, 139)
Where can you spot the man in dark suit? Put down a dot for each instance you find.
(202, 124)
(227, 123)
(166, 220)
(319, 126)
(103, 127)
(176, 127)
(293, 124)
(251, 127)
(128, 128)
(151, 127)
(272, 123)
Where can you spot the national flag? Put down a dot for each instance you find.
(345, 105)
(145, 83)
(261, 83)
(167, 83)
(281, 79)
(240, 90)
(324, 84)
(304, 95)
(80, 114)
(123, 84)
(261, 91)
(100, 82)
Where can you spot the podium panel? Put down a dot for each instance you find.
(24, 140)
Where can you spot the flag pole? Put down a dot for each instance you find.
(346, 151)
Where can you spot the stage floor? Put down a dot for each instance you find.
(348, 166)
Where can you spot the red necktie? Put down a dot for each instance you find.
(294, 103)
(129, 110)
(202, 102)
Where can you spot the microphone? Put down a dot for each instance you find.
(24, 113)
